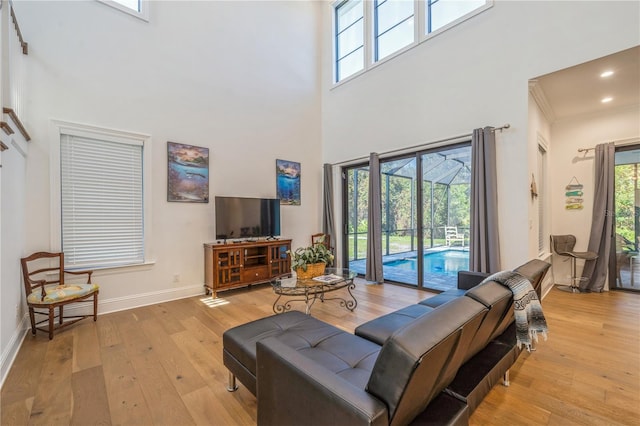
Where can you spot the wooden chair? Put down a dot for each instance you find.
(451, 235)
(45, 289)
(321, 238)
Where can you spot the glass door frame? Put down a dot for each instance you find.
(613, 255)
(418, 221)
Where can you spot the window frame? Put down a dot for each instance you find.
(376, 4)
(420, 34)
(142, 13)
(336, 35)
(542, 198)
(59, 128)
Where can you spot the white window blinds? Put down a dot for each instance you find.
(102, 201)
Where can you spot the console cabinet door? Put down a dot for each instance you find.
(229, 267)
(279, 260)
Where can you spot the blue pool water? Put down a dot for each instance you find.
(447, 262)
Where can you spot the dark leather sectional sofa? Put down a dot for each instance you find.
(429, 363)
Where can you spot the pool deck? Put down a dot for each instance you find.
(432, 280)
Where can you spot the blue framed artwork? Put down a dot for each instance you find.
(188, 174)
(288, 182)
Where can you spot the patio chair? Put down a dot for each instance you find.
(452, 235)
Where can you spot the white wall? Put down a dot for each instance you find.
(473, 75)
(240, 78)
(567, 136)
(12, 213)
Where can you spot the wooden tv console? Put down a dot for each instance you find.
(239, 264)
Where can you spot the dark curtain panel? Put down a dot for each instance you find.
(374, 232)
(594, 273)
(327, 204)
(484, 249)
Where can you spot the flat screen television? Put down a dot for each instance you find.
(246, 218)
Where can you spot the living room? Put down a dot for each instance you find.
(253, 82)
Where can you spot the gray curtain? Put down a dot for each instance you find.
(484, 249)
(327, 204)
(594, 273)
(374, 232)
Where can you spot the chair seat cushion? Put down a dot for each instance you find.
(60, 293)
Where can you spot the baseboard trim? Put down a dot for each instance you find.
(105, 306)
(144, 299)
(10, 353)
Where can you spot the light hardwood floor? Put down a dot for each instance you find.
(162, 364)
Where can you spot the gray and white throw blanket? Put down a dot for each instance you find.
(527, 309)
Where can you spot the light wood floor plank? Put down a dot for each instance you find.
(53, 396)
(127, 404)
(162, 364)
(90, 399)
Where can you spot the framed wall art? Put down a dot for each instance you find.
(188, 173)
(288, 182)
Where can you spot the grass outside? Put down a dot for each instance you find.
(397, 244)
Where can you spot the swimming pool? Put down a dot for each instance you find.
(447, 262)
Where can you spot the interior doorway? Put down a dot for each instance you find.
(625, 259)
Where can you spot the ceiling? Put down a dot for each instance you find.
(579, 89)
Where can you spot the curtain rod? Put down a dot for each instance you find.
(617, 142)
(422, 145)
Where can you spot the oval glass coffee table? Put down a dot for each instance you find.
(311, 289)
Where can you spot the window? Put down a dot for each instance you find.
(440, 13)
(349, 17)
(137, 8)
(393, 26)
(367, 32)
(101, 197)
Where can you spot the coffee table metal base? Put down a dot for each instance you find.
(309, 295)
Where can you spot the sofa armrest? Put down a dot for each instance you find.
(295, 390)
(469, 279)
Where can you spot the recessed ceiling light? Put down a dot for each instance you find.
(605, 74)
(607, 99)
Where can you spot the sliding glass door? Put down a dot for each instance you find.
(625, 259)
(425, 216)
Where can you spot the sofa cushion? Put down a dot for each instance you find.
(420, 359)
(348, 356)
(294, 328)
(379, 329)
(442, 298)
(499, 300)
(535, 270)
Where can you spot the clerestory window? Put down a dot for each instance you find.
(137, 8)
(349, 40)
(368, 32)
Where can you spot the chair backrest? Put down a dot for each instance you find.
(321, 238)
(451, 231)
(562, 244)
(42, 268)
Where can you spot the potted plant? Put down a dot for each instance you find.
(309, 262)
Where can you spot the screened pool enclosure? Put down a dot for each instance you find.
(425, 216)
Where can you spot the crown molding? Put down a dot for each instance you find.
(535, 90)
